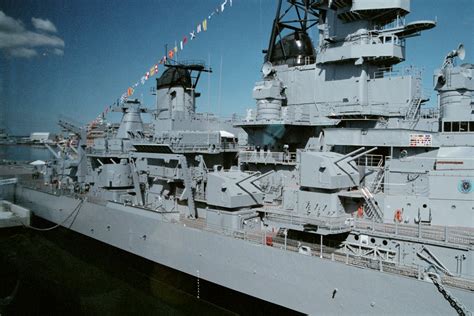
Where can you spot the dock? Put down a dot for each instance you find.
(12, 215)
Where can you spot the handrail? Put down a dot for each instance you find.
(390, 72)
(370, 160)
(267, 157)
(455, 235)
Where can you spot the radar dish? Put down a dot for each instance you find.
(267, 68)
(461, 52)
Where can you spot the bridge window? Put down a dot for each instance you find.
(447, 127)
(457, 127)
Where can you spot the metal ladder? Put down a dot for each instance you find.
(188, 187)
(136, 182)
(375, 185)
(412, 112)
(371, 207)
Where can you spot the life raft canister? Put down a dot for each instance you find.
(269, 241)
(398, 216)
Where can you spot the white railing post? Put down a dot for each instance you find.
(321, 249)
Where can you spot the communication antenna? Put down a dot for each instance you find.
(208, 86)
(220, 89)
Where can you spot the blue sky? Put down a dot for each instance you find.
(108, 45)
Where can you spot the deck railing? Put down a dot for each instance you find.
(390, 72)
(370, 160)
(329, 250)
(267, 157)
(454, 235)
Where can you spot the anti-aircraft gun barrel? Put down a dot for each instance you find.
(363, 153)
(358, 150)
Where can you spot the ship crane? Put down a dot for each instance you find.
(79, 164)
(71, 127)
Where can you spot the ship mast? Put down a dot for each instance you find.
(294, 17)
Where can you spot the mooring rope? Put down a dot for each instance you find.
(74, 211)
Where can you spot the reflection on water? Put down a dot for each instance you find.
(24, 152)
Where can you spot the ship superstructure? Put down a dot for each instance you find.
(339, 161)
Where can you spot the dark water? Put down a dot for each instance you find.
(24, 152)
(61, 272)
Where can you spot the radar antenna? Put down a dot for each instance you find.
(460, 52)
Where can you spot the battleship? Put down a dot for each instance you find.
(339, 193)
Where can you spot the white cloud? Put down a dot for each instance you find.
(58, 52)
(17, 41)
(8, 24)
(44, 25)
(22, 52)
(29, 39)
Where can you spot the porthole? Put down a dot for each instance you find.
(424, 205)
(372, 240)
(384, 242)
(356, 237)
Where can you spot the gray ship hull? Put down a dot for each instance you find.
(302, 283)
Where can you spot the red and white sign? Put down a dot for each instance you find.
(421, 140)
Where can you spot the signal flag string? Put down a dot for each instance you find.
(178, 46)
